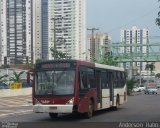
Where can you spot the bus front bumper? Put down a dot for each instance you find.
(39, 108)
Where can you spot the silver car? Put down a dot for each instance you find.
(151, 90)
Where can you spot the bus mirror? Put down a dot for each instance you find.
(30, 77)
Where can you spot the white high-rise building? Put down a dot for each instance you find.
(40, 29)
(37, 27)
(60, 24)
(137, 38)
(66, 23)
(15, 32)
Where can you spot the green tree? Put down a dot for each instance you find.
(38, 60)
(109, 60)
(158, 75)
(17, 77)
(158, 18)
(130, 86)
(150, 67)
(5, 66)
(147, 67)
(57, 55)
(3, 78)
(30, 65)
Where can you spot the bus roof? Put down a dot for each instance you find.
(62, 60)
(108, 67)
(103, 66)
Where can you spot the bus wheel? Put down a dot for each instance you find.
(89, 114)
(117, 104)
(53, 115)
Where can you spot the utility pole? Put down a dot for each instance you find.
(92, 30)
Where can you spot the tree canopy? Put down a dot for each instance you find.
(158, 75)
(150, 67)
(109, 60)
(58, 54)
(158, 17)
(3, 78)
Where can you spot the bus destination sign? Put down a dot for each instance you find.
(55, 65)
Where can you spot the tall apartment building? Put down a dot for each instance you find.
(67, 26)
(60, 24)
(137, 38)
(15, 23)
(37, 29)
(40, 29)
(96, 45)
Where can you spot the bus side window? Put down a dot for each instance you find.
(83, 80)
(86, 78)
(114, 79)
(103, 80)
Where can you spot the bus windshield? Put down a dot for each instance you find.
(55, 82)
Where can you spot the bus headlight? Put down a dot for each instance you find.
(70, 101)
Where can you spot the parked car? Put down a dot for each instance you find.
(158, 87)
(139, 89)
(151, 90)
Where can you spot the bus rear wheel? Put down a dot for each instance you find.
(53, 115)
(117, 104)
(89, 114)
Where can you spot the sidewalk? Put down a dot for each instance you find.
(15, 92)
(15, 101)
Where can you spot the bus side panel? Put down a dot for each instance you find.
(123, 95)
(84, 101)
(105, 98)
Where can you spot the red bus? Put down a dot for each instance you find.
(74, 86)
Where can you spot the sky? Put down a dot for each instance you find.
(110, 16)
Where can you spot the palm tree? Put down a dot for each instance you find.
(17, 77)
(16, 80)
(150, 67)
(147, 67)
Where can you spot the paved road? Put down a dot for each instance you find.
(14, 105)
(141, 107)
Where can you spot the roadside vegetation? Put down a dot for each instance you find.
(130, 86)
